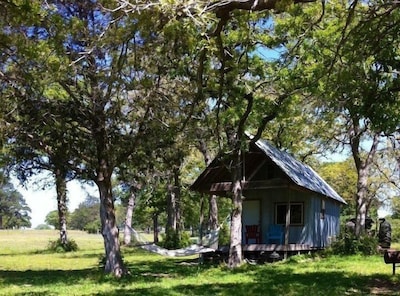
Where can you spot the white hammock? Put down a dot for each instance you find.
(188, 251)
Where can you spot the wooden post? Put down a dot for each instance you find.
(287, 223)
(201, 222)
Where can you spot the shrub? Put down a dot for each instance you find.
(173, 239)
(349, 244)
(224, 237)
(92, 227)
(58, 247)
(395, 233)
(43, 227)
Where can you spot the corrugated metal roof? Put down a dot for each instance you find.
(300, 173)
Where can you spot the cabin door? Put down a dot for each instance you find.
(251, 215)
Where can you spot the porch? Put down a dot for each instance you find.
(294, 248)
(260, 253)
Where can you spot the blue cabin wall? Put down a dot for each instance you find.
(320, 221)
(328, 227)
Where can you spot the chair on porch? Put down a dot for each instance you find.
(275, 233)
(253, 232)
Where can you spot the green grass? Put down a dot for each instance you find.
(26, 268)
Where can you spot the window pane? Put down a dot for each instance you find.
(280, 214)
(296, 214)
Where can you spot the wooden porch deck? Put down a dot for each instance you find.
(261, 252)
(276, 248)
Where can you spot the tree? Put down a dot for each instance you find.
(342, 176)
(118, 96)
(221, 9)
(151, 207)
(86, 216)
(128, 192)
(115, 109)
(36, 113)
(236, 81)
(44, 143)
(349, 76)
(14, 212)
(204, 131)
(251, 93)
(130, 205)
(372, 81)
(95, 75)
(52, 219)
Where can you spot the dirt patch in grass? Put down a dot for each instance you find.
(383, 287)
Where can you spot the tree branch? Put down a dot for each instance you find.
(223, 7)
(243, 119)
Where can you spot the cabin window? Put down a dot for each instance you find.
(323, 209)
(296, 213)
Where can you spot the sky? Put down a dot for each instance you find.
(42, 201)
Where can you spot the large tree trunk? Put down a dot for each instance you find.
(235, 250)
(174, 225)
(61, 188)
(171, 208)
(173, 203)
(363, 169)
(104, 169)
(177, 190)
(361, 201)
(155, 227)
(128, 216)
(109, 230)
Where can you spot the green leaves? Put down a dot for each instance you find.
(14, 212)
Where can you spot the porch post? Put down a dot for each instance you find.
(287, 229)
(201, 220)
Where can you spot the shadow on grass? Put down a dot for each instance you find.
(331, 283)
(165, 268)
(189, 278)
(47, 277)
(264, 280)
(139, 272)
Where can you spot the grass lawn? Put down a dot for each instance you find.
(26, 268)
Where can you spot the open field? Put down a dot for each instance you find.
(26, 268)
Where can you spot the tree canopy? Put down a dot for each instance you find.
(14, 211)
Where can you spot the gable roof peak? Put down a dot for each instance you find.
(300, 173)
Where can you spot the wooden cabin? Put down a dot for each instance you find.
(288, 205)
